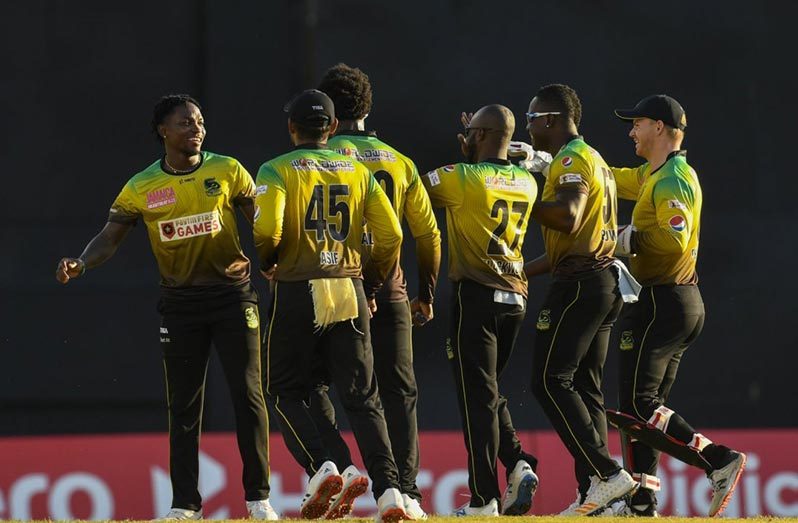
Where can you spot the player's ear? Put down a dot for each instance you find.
(290, 127)
(333, 126)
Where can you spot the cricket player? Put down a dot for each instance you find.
(187, 201)
(488, 203)
(578, 216)
(662, 243)
(311, 203)
(391, 322)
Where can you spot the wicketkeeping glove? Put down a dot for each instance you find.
(624, 245)
(534, 161)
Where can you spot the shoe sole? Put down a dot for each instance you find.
(393, 515)
(317, 506)
(728, 495)
(598, 510)
(343, 506)
(523, 503)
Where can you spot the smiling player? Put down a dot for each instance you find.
(662, 243)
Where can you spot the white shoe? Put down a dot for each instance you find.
(521, 487)
(182, 513)
(262, 509)
(355, 484)
(723, 482)
(324, 484)
(390, 507)
(571, 510)
(603, 493)
(413, 508)
(489, 510)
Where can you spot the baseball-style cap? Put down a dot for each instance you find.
(657, 107)
(311, 107)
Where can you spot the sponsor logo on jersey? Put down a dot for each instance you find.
(252, 317)
(505, 182)
(627, 340)
(212, 187)
(570, 178)
(257, 213)
(311, 164)
(676, 204)
(374, 155)
(544, 320)
(434, 179)
(346, 151)
(160, 197)
(677, 223)
(261, 189)
(448, 168)
(189, 226)
(567, 161)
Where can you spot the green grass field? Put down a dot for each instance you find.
(532, 519)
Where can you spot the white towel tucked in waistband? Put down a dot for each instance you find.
(627, 284)
(334, 300)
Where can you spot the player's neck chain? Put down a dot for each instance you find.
(179, 171)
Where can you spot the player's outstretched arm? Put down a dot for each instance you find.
(564, 214)
(98, 251)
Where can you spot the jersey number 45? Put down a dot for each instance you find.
(317, 216)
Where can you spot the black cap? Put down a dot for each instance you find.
(311, 107)
(657, 107)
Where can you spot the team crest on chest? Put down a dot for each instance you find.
(212, 187)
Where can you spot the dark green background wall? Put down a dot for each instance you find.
(79, 80)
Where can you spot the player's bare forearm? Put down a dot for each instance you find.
(99, 250)
(538, 266)
(103, 246)
(564, 214)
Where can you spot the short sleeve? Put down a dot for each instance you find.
(445, 185)
(673, 199)
(243, 185)
(127, 206)
(570, 173)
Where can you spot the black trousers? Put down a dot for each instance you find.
(573, 332)
(655, 333)
(483, 334)
(187, 330)
(392, 342)
(293, 351)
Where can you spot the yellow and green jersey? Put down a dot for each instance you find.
(399, 179)
(579, 167)
(190, 220)
(667, 217)
(310, 208)
(488, 205)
